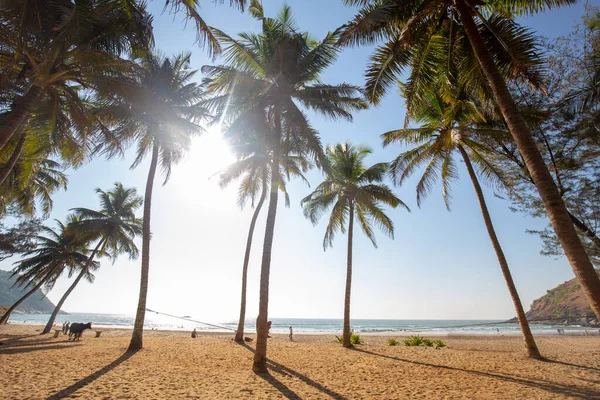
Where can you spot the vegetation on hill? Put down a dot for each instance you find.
(565, 302)
(35, 304)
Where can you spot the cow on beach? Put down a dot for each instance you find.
(77, 329)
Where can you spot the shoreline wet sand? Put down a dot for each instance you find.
(172, 365)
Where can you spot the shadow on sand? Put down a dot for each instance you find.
(29, 348)
(283, 370)
(90, 378)
(552, 387)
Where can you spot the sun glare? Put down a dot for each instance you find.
(209, 154)
(197, 177)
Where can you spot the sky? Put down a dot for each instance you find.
(440, 265)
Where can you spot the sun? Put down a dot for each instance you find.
(209, 154)
(196, 178)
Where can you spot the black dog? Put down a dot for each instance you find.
(77, 329)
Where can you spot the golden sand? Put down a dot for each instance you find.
(172, 365)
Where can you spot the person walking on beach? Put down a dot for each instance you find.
(269, 329)
(291, 334)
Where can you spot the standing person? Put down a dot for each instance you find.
(291, 334)
(269, 329)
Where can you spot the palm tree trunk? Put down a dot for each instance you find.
(260, 355)
(12, 161)
(555, 208)
(6, 315)
(346, 333)
(585, 230)
(239, 334)
(18, 114)
(138, 326)
(70, 289)
(532, 350)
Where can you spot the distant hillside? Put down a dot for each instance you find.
(566, 302)
(35, 304)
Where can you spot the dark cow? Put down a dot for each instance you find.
(77, 329)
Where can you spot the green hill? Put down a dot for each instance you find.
(565, 304)
(37, 303)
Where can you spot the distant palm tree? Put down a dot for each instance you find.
(249, 140)
(54, 253)
(448, 128)
(352, 191)
(159, 110)
(407, 27)
(275, 71)
(113, 227)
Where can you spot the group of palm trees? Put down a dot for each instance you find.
(81, 78)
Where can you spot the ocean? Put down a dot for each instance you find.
(305, 325)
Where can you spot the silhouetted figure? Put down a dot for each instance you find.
(291, 334)
(67, 327)
(194, 334)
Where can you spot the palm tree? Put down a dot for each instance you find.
(54, 253)
(273, 71)
(113, 227)
(350, 188)
(49, 48)
(249, 140)
(447, 128)
(32, 183)
(159, 111)
(404, 23)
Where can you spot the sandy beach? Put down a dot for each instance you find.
(172, 365)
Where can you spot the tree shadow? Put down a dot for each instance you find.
(284, 390)
(565, 390)
(29, 349)
(19, 343)
(90, 378)
(282, 369)
(571, 365)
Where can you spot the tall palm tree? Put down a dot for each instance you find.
(405, 24)
(273, 71)
(352, 191)
(114, 227)
(55, 252)
(447, 129)
(49, 48)
(249, 140)
(159, 110)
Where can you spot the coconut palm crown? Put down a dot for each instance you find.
(350, 185)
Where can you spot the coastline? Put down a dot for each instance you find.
(173, 365)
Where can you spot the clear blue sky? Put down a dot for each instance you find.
(441, 264)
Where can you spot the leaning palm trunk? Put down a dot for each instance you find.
(6, 315)
(239, 335)
(59, 305)
(12, 161)
(19, 114)
(138, 327)
(555, 208)
(532, 350)
(346, 333)
(260, 355)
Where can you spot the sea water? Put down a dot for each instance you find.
(304, 325)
